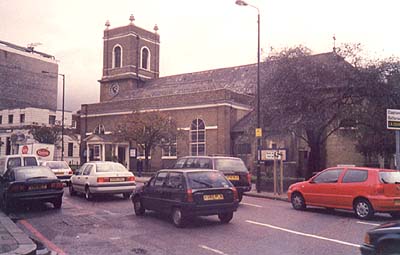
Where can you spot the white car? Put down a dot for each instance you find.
(60, 168)
(102, 177)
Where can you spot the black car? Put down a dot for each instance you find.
(233, 168)
(22, 185)
(187, 193)
(382, 240)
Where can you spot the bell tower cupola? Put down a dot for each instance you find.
(130, 58)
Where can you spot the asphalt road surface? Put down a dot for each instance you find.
(108, 225)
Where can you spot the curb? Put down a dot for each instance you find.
(25, 244)
(266, 196)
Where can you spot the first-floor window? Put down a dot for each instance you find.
(169, 148)
(70, 149)
(197, 138)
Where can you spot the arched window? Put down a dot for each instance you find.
(197, 138)
(145, 56)
(117, 56)
(99, 130)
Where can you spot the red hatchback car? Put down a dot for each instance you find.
(364, 190)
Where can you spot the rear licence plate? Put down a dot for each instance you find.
(37, 187)
(117, 179)
(213, 197)
(233, 177)
(397, 202)
(59, 173)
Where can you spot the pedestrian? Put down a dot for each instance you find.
(139, 167)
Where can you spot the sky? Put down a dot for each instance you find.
(195, 35)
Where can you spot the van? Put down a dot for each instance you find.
(11, 161)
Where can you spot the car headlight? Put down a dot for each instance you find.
(367, 239)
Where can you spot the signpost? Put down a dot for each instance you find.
(393, 123)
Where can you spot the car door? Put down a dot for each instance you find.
(352, 184)
(322, 189)
(77, 180)
(173, 191)
(86, 180)
(151, 196)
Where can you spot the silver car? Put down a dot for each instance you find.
(60, 168)
(102, 177)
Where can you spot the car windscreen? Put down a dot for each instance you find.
(227, 164)
(389, 177)
(201, 180)
(57, 165)
(110, 167)
(30, 161)
(22, 174)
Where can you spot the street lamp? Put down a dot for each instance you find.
(62, 114)
(258, 128)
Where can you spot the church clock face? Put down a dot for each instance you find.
(114, 89)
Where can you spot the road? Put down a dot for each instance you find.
(108, 225)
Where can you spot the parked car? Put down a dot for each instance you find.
(102, 177)
(364, 190)
(21, 185)
(10, 161)
(187, 193)
(233, 168)
(60, 168)
(382, 240)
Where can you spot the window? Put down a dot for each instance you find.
(330, 176)
(197, 138)
(13, 162)
(243, 148)
(52, 119)
(1, 119)
(10, 119)
(140, 152)
(145, 63)
(70, 149)
(96, 152)
(199, 180)
(99, 130)
(160, 179)
(355, 176)
(117, 56)
(175, 181)
(169, 148)
(22, 118)
(87, 170)
(30, 161)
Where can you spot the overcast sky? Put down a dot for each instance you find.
(195, 35)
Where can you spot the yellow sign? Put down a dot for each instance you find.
(258, 132)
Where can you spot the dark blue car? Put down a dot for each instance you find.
(382, 240)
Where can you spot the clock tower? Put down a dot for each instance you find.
(130, 58)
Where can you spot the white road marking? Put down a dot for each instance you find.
(258, 206)
(368, 223)
(303, 234)
(211, 249)
(115, 238)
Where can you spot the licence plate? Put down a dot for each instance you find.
(233, 177)
(59, 173)
(213, 197)
(397, 202)
(37, 187)
(117, 179)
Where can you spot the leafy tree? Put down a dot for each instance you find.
(45, 134)
(308, 96)
(148, 130)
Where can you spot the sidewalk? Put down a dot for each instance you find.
(252, 193)
(12, 239)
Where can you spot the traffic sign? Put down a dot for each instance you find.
(258, 132)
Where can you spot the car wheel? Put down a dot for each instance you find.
(138, 206)
(298, 201)
(88, 194)
(72, 192)
(225, 217)
(395, 215)
(363, 209)
(178, 218)
(240, 196)
(126, 195)
(389, 248)
(57, 203)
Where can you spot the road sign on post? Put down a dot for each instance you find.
(393, 122)
(258, 132)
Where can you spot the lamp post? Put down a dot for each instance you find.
(258, 130)
(62, 113)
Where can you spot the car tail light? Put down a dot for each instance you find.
(249, 178)
(235, 193)
(70, 172)
(56, 185)
(103, 179)
(17, 188)
(379, 189)
(189, 195)
(131, 179)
